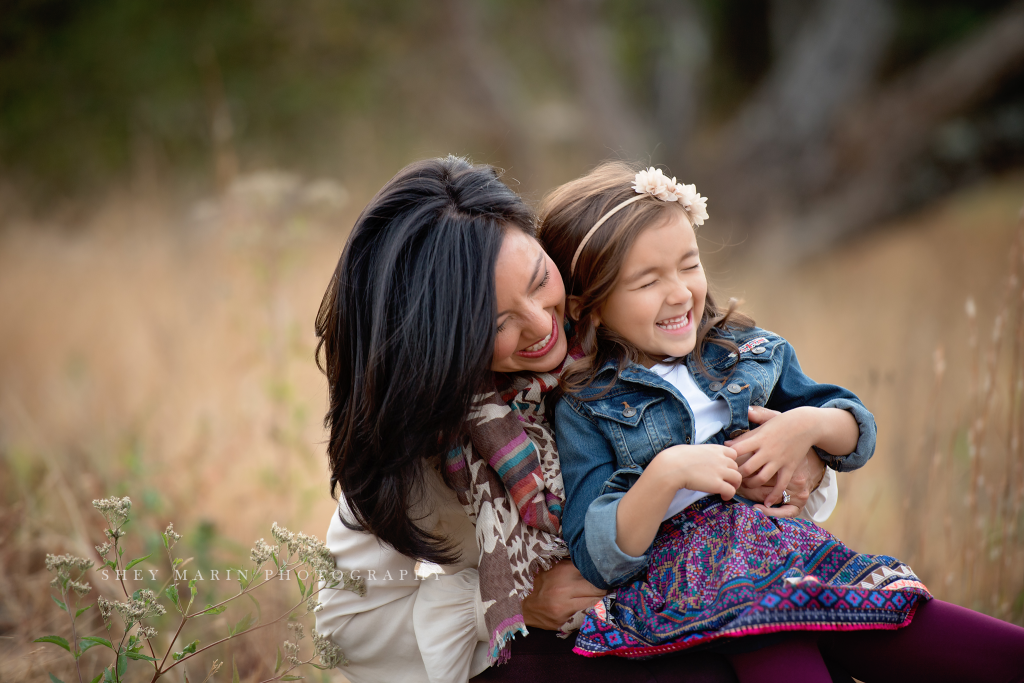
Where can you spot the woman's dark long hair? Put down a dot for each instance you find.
(406, 335)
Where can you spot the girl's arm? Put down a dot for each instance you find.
(708, 467)
(595, 489)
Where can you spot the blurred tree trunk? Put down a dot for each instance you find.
(683, 56)
(494, 84)
(878, 139)
(776, 148)
(585, 43)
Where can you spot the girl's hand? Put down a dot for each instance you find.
(805, 481)
(558, 593)
(708, 467)
(776, 448)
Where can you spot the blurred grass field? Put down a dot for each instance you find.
(168, 356)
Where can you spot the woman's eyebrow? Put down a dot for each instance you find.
(536, 269)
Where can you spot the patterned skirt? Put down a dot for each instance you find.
(721, 569)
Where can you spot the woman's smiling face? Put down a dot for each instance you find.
(531, 308)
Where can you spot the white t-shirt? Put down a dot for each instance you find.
(709, 418)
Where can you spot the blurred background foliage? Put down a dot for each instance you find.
(767, 95)
(177, 180)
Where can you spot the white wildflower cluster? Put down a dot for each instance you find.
(330, 654)
(138, 608)
(171, 536)
(291, 653)
(261, 552)
(104, 549)
(313, 605)
(296, 628)
(146, 632)
(105, 606)
(115, 510)
(63, 565)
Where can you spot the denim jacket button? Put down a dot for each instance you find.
(759, 350)
(628, 411)
(737, 432)
(715, 386)
(734, 388)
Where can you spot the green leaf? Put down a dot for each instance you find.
(98, 677)
(243, 625)
(55, 679)
(139, 655)
(88, 645)
(56, 640)
(166, 542)
(120, 552)
(234, 671)
(59, 603)
(259, 612)
(122, 665)
(292, 678)
(172, 593)
(187, 650)
(80, 611)
(302, 586)
(177, 561)
(136, 561)
(108, 675)
(96, 640)
(211, 610)
(277, 664)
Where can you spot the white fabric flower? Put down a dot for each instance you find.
(653, 182)
(696, 207)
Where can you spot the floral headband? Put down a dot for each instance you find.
(653, 182)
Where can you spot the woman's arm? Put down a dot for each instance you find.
(405, 628)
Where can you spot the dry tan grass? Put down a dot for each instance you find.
(171, 360)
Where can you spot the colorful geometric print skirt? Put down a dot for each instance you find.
(721, 569)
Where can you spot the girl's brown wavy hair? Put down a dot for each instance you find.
(566, 214)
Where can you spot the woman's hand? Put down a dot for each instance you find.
(558, 593)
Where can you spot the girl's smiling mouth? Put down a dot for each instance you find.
(545, 345)
(675, 325)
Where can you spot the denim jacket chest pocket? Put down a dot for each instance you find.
(755, 375)
(639, 426)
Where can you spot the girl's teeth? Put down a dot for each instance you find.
(539, 345)
(674, 323)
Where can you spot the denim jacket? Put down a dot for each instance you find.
(605, 443)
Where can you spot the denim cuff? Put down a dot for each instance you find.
(865, 442)
(614, 566)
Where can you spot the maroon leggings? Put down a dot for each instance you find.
(944, 642)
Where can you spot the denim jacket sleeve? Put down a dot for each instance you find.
(594, 485)
(794, 389)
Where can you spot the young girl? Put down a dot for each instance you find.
(653, 435)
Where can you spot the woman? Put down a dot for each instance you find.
(440, 446)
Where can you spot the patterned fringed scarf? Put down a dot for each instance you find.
(512, 455)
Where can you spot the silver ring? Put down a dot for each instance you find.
(785, 497)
